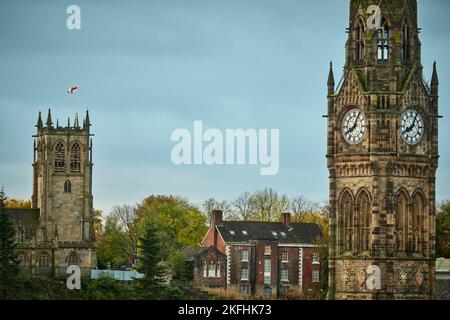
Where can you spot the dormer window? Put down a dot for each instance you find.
(274, 234)
(283, 234)
(232, 232)
(244, 232)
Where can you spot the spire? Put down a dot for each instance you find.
(57, 123)
(331, 82)
(49, 119)
(434, 78)
(87, 122)
(68, 122)
(434, 81)
(76, 124)
(39, 122)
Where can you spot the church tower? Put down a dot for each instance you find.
(62, 190)
(382, 156)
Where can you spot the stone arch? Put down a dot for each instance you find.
(59, 156)
(23, 259)
(43, 260)
(75, 156)
(359, 38)
(383, 40)
(402, 206)
(363, 220)
(73, 259)
(346, 221)
(420, 221)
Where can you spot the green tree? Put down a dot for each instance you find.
(178, 225)
(150, 264)
(8, 261)
(113, 248)
(443, 230)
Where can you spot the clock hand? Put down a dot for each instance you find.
(355, 124)
(413, 124)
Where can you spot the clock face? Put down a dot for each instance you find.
(411, 127)
(354, 126)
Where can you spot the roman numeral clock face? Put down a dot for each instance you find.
(411, 127)
(354, 126)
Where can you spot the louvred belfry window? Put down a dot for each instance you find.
(60, 157)
(360, 46)
(383, 42)
(75, 158)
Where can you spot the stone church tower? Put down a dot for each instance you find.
(58, 230)
(382, 156)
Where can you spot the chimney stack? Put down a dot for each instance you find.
(217, 218)
(286, 219)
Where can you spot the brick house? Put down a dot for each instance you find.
(266, 259)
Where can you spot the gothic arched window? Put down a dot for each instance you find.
(419, 224)
(360, 41)
(44, 260)
(364, 222)
(401, 220)
(23, 260)
(60, 157)
(346, 223)
(383, 42)
(72, 259)
(67, 186)
(405, 42)
(75, 158)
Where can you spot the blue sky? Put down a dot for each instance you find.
(146, 68)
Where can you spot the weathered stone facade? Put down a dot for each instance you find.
(382, 158)
(58, 230)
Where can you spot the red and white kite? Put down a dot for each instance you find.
(72, 90)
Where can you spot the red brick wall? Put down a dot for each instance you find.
(308, 266)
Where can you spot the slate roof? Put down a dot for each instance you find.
(247, 231)
(190, 253)
(24, 217)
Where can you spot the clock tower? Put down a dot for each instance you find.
(382, 156)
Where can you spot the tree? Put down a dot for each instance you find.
(268, 205)
(150, 258)
(98, 224)
(8, 261)
(211, 204)
(178, 225)
(113, 249)
(242, 207)
(443, 230)
(17, 204)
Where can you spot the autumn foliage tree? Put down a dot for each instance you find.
(443, 230)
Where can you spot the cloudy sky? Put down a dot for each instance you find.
(146, 68)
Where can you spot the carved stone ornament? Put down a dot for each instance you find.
(403, 278)
(362, 277)
(419, 278)
(345, 276)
